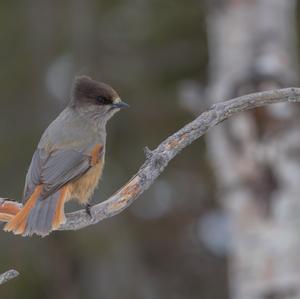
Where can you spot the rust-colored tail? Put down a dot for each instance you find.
(39, 215)
(8, 209)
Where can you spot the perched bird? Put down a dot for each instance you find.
(68, 161)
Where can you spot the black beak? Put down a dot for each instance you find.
(120, 105)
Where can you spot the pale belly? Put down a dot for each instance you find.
(83, 188)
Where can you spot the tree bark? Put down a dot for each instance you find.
(256, 154)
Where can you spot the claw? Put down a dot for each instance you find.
(88, 209)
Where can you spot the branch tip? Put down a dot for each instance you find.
(8, 275)
(148, 153)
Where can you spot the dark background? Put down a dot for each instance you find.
(146, 50)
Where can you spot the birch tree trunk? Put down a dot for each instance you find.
(256, 154)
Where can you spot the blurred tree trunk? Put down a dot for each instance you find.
(256, 154)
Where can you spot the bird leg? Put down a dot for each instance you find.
(88, 209)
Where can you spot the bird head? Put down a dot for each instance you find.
(96, 99)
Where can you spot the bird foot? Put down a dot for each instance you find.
(88, 209)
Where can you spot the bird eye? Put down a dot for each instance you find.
(103, 100)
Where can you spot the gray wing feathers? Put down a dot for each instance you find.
(62, 167)
(54, 170)
(33, 177)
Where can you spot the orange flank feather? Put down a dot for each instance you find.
(59, 216)
(96, 154)
(18, 223)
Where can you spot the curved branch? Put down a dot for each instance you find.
(8, 275)
(158, 159)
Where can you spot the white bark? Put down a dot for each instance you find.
(256, 155)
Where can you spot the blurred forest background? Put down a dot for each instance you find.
(176, 240)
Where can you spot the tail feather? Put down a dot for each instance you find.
(59, 216)
(39, 215)
(18, 223)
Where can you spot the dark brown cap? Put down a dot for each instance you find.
(87, 90)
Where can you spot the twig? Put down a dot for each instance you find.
(8, 275)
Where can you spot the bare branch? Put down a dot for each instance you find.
(8, 275)
(158, 159)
